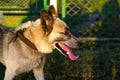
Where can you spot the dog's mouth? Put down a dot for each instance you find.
(65, 50)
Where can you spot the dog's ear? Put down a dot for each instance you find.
(46, 21)
(52, 11)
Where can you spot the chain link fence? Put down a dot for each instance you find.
(74, 7)
(18, 11)
(92, 14)
(14, 4)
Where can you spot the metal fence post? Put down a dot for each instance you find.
(45, 4)
(63, 9)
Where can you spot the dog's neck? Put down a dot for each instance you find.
(25, 40)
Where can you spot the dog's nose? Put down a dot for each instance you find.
(79, 44)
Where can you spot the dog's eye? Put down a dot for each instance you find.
(65, 33)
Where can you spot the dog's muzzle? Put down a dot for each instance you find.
(65, 50)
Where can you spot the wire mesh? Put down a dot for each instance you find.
(14, 4)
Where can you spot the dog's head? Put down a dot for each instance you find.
(58, 34)
(49, 33)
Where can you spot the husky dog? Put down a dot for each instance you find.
(24, 48)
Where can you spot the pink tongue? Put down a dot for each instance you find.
(68, 52)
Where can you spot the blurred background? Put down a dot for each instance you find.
(95, 22)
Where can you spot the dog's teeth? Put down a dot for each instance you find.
(59, 44)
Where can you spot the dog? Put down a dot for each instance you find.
(24, 48)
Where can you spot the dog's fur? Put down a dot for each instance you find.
(43, 33)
